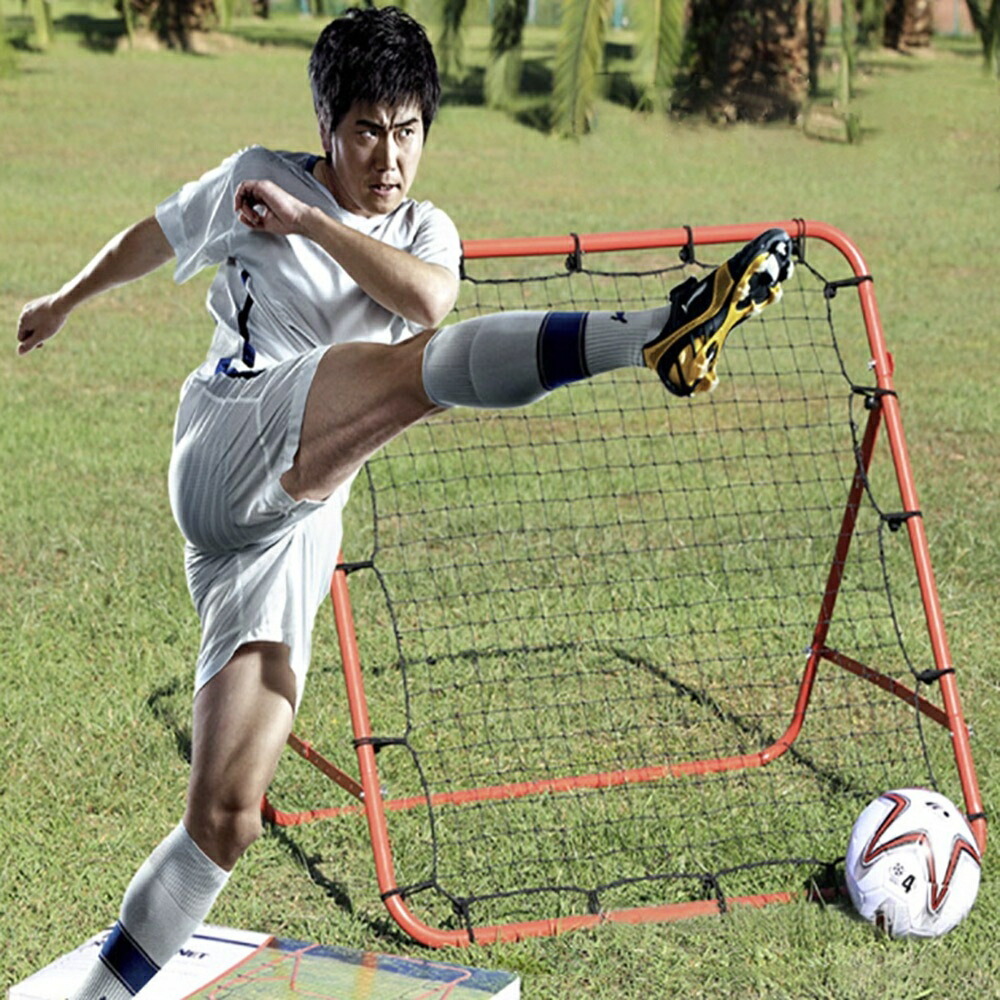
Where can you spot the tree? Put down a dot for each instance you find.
(579, 57)
(986, 21)
(742, 59)
(173, 21)
(41, 13)
(580, 53)
(748, 60)
(871, 19)
(663, 24)
(503, 68)
(8, 60)
(909, 24)
(449, 45)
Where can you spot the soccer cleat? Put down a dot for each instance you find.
(704, 310)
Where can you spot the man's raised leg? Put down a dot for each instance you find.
(363, 395)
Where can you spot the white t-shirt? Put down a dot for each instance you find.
(302, 298)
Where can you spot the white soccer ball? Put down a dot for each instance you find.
(913, 864)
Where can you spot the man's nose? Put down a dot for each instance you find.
(386, 152)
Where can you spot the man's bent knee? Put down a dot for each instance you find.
(223, 834)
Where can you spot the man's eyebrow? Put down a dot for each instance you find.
(379, 127)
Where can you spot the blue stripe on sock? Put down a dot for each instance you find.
(133, 967)
(560, 349)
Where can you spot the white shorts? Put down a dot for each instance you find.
(258, 562)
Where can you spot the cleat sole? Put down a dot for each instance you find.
(685, 357)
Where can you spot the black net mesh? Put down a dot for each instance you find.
(615, 580)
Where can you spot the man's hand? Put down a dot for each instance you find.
(265, 206)
(129, 255)
(40, 320)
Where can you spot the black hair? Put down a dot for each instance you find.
(375, 55)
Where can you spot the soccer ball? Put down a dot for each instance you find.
(913, 865)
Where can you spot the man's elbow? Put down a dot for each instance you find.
(434, 303)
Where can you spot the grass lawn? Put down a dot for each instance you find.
(97, 631)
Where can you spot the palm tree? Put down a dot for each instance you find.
(745, 59)
(41, 13)
(578, 60)
(909, 24)
(8, 61)
(749, 59)
(503, 65)
(172, 21)
(871, 18)
(503, 68)
(449, 45)
(985, 16)
(580, 52)
(579, 55)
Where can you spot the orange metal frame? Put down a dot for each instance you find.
(367, 793)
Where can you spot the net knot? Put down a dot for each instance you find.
(896, 519)
(574, 262)
(930, 676)
(352, 567)
(710, 883)
(687, 253)
(832, 287)
(378, 742)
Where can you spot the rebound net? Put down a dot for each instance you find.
(621, 656)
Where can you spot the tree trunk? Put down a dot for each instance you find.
(173, 21)
(909, 24)
(503, 66)
(750, 59)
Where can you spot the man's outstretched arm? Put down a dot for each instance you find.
(136, 251)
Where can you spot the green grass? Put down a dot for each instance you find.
(97, 631)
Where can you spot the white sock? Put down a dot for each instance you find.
(515, 358)
(616, 340)
(164, 905)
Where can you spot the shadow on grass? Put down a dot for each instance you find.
(163, 703)
(532, 103)
(99, 34)
(311, 863)
(19, 32)
(835, 782)
(465, 91)
(536, 78)
(266, 34)
(538, 117)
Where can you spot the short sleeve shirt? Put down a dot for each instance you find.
(300, 297)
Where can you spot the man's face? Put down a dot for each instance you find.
(374, 155)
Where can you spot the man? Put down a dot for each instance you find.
(331, 282)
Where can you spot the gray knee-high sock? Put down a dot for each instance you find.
(514, 358)
(164, 905)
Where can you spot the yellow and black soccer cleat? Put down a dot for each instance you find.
(704, 310)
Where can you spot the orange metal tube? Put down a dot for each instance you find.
(646, 239)
(893, 687)
(915, 526)
(361, 724)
